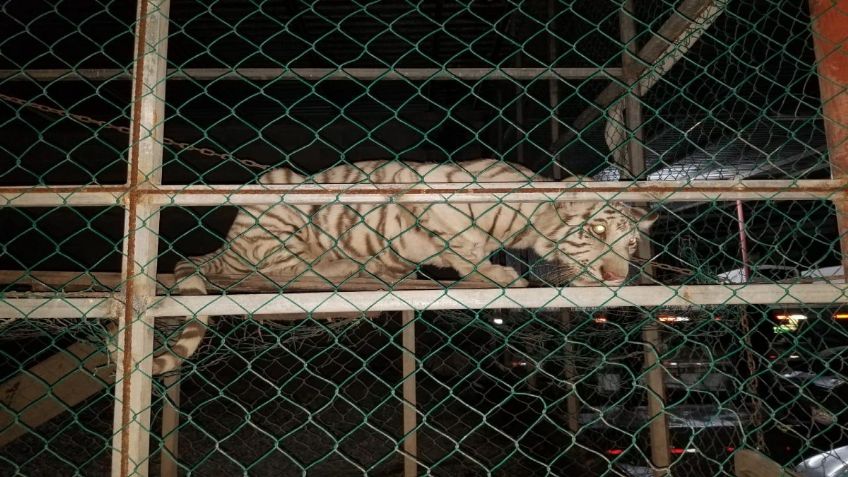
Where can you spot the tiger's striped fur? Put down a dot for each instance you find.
(390, 241)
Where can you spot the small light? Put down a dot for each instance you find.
(793, 356)
(599, 229)
(680, 450)
(672, 319)
(791, 317)
(841, 316)
(498, 321)
(600, 320)
(615, 452)
(673, 363)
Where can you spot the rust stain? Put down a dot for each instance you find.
(10, 394)
(62, 189)
(132, 216)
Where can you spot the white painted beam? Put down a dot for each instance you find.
(809, 294)
(647, 191)
(475, 299)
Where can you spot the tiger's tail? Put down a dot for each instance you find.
(191, 333)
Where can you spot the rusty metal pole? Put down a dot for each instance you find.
(829, 19)
(133, 382)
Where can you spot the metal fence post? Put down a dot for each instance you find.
(131, 441)
(410, 399)
(829, 20)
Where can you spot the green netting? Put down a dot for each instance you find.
(314, 85)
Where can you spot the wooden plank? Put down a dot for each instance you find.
(410, 397)
(71, 282)
(134, 356)
(51, 388)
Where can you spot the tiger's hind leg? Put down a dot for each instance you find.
(335, 270)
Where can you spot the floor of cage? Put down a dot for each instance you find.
(95, 282)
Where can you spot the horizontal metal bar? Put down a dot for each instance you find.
(444, 299)
(57, 308)
(313, 74)
(530, 298)
(54, 196)
(489, 192)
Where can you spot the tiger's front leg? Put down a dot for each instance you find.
(467, 256)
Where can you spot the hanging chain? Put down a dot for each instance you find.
(184, 146)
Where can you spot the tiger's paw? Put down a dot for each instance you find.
(191, 285)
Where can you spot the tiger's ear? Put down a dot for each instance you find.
(644, 219)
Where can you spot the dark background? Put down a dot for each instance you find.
(743, 101)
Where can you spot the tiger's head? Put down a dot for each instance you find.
(592, 243)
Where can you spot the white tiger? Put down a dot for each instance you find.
(591, 242)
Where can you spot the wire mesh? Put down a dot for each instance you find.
(308, 93)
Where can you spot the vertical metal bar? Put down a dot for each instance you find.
(553, 86)
(572, 405)
(131, 441)
(830, 40)
(660, 444)
(632, 104)
(743, 241)
(170, 426)
(519, 105)
(500, 130)
(635, 163)
(410, 398)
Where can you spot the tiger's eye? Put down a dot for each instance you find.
(599, 229)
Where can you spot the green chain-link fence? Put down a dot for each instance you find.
(728, 335)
